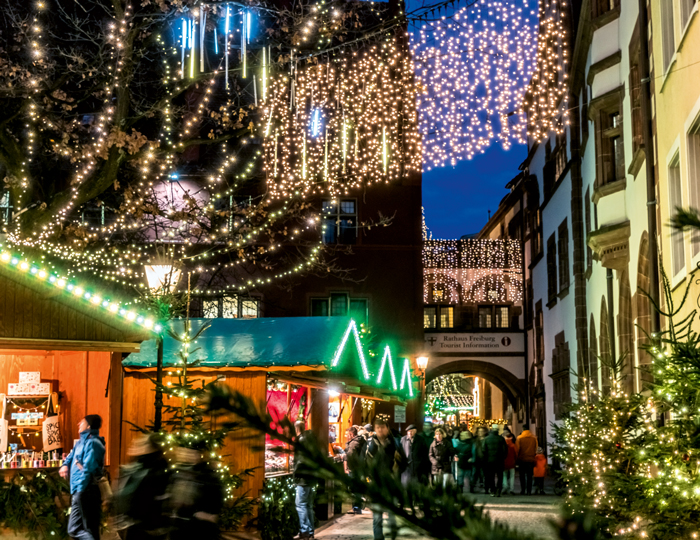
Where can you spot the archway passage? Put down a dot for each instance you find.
(501, 378)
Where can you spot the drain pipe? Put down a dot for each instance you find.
(649, 162)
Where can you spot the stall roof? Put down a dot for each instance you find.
(42, 310)
(245, 343)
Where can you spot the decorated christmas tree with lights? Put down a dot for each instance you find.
(635, 459)
(186, 424)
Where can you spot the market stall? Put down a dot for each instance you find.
(314, 368)
(61, 344)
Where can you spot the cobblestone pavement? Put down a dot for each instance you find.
(528, 514)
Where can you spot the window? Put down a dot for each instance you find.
(249, 308)
(694, 177)
(686, 9)
(485, 316)
(668, 38)
(563, 253)
(587, 214)
(539, 333)
(446, 318)
(430, 317)
(551, 268)
(561, 370)
(340, 305)
(537, 233)
(600, 7)
(548, 171)
(502, 316)
(494, 317)
(635, 90)
(560, 155)
(340, 221)
(675, 200)
(231, 307)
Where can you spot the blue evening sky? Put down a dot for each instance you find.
(457, 199)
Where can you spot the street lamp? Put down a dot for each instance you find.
(422, 363)
(162, 279)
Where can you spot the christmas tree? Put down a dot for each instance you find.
(634, 459)
(186, 424)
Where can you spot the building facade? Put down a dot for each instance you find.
(676, 51)
(586, 225)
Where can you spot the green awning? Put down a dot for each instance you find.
(318, 343)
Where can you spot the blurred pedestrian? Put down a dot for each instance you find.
(196, 495)
(427, 434)
(303, 478)
(526, 449)
(417, 466)
(84, 465)
(465, 461)
(509, 466)
(140, 500)
(384, 451)
(441, 455)
(354, 456)
(495, 450)
(540, 471)
(478, 476)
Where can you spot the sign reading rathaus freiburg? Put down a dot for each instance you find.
(474, 342)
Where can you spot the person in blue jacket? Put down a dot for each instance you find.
(83, 466)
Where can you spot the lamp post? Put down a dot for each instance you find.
(162, 278)
(422, 363)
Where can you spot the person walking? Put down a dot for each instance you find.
(465, 461)
(526, 449)
(441, 455)
(196, 495)
(140, 500)
(495, 451)
(509, 466)
(540, 471)
(354, 455)
(84, 465)
(304, 498)
(417, 466)
(384, 451)
(478, 455)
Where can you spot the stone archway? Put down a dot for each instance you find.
(501, 378)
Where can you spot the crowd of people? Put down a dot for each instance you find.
(447, 455)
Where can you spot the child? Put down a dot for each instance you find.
(540, 471)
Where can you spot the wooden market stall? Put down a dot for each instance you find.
(313, 368)
(60, 351)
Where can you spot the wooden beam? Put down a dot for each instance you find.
(116, 385)
(66, 345)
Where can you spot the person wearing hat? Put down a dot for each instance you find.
(83, 466)
(418, 466)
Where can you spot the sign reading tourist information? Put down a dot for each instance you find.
(473, 342)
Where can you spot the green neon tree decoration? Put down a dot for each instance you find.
(406, 377)
(352, 327)
(387, 359)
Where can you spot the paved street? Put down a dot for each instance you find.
(528, 514)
